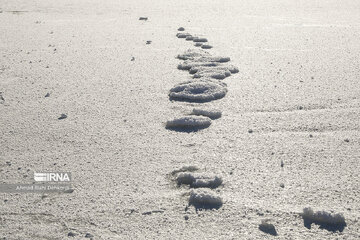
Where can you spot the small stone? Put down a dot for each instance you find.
(311, 135)
(47, 95)
(71, 234)
(143, 18)
(70, 190)
(63, 116)
(267, 227)
(347, 140)
(148, 42)
(300, 108)
(2, 99)
(250, 131)
(89, 235)
(186, 217)
(132, 59)
(282, 163)
(282, 185)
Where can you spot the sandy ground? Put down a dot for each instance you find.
(299, 76)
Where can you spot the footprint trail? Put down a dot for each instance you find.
(205, 84)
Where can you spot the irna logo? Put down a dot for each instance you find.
(52, 177)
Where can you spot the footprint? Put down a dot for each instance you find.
(326, 220)
(188, 123)
(181, 29)
(202, 90)
(192, 54)
(200, 39)
(189, 38)
(187, 65)
(198, 44)
(213, 73)
(205, 199)
(200, 68)
(199, 55)
(212, 114)
(206, 46)
(202, 197)
(183, 35)
(198, 180)
(218, 59)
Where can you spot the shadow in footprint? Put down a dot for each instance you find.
(180, 99)
(186, 129)
(200, 207)
(332, 227)
(188, 123)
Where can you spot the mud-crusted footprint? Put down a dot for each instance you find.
(201, 185)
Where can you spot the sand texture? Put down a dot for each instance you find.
(89, 86)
